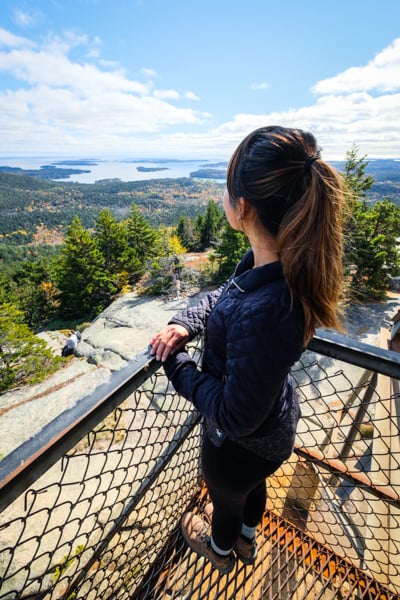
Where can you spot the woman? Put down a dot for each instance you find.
(289, 204)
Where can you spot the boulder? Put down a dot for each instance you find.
(125, 328)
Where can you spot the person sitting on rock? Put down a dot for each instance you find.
(71, 343)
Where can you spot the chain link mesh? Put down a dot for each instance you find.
(103, 521)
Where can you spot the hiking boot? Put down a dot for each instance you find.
(194, 531)
(208, 512)
(245, 549)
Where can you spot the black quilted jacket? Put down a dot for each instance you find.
(253, 335)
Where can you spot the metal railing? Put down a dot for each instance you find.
(90, 506)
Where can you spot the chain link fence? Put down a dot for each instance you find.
(91, 507)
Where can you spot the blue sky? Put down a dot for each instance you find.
(190, 78)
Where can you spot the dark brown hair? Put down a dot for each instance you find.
(301, 203)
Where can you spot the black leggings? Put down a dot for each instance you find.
(235, 479)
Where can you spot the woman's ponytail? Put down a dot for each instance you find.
(310, 247)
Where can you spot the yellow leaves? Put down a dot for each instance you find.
(45, 235)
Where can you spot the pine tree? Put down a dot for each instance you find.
(37, 293)
(111, 240)
(209, 225)
(142, 242)
(24, 358)
(371, 255)
(85, 286)
(7, 287)
(357, 181)
(230, 250)
(186, 232)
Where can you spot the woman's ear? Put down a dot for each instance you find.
(244, 208)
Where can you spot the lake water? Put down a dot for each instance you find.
(125, 170)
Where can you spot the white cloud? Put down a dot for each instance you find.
(373, 122)
(10, 40)
(22, 18)
(255, 87)
(60, 103)
(191, 96)
(149, 73)
(167, 94)
(25, 16)
(61, 45)
(360, 105)
(174, 95)
(382, 73)
(36, 67)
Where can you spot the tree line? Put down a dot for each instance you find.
(73, 282)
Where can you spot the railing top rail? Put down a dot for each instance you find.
(346, 349)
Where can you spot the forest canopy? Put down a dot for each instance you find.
(30, 206)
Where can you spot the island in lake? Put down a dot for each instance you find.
(208, 173)
(76, 163)
(151, 169)
(215, 165)
(45, 172)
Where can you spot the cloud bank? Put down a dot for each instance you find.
(55, 104)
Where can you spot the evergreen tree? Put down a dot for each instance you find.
(24, 358)
(230, 250)
(37, 293)
(142, 241)
(209, 225)
(7, 288)
(357, 181)
(198, 228)
(85, 286)
(370, 252)
(111, 240)
(186, 232)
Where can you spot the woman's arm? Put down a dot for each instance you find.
(183, 327)
(194, 318)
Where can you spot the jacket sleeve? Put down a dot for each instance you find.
(194, 318)
(261, 347)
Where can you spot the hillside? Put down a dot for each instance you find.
(29, 203)
(32, 207)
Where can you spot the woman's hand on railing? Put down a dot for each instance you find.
(169, 340)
